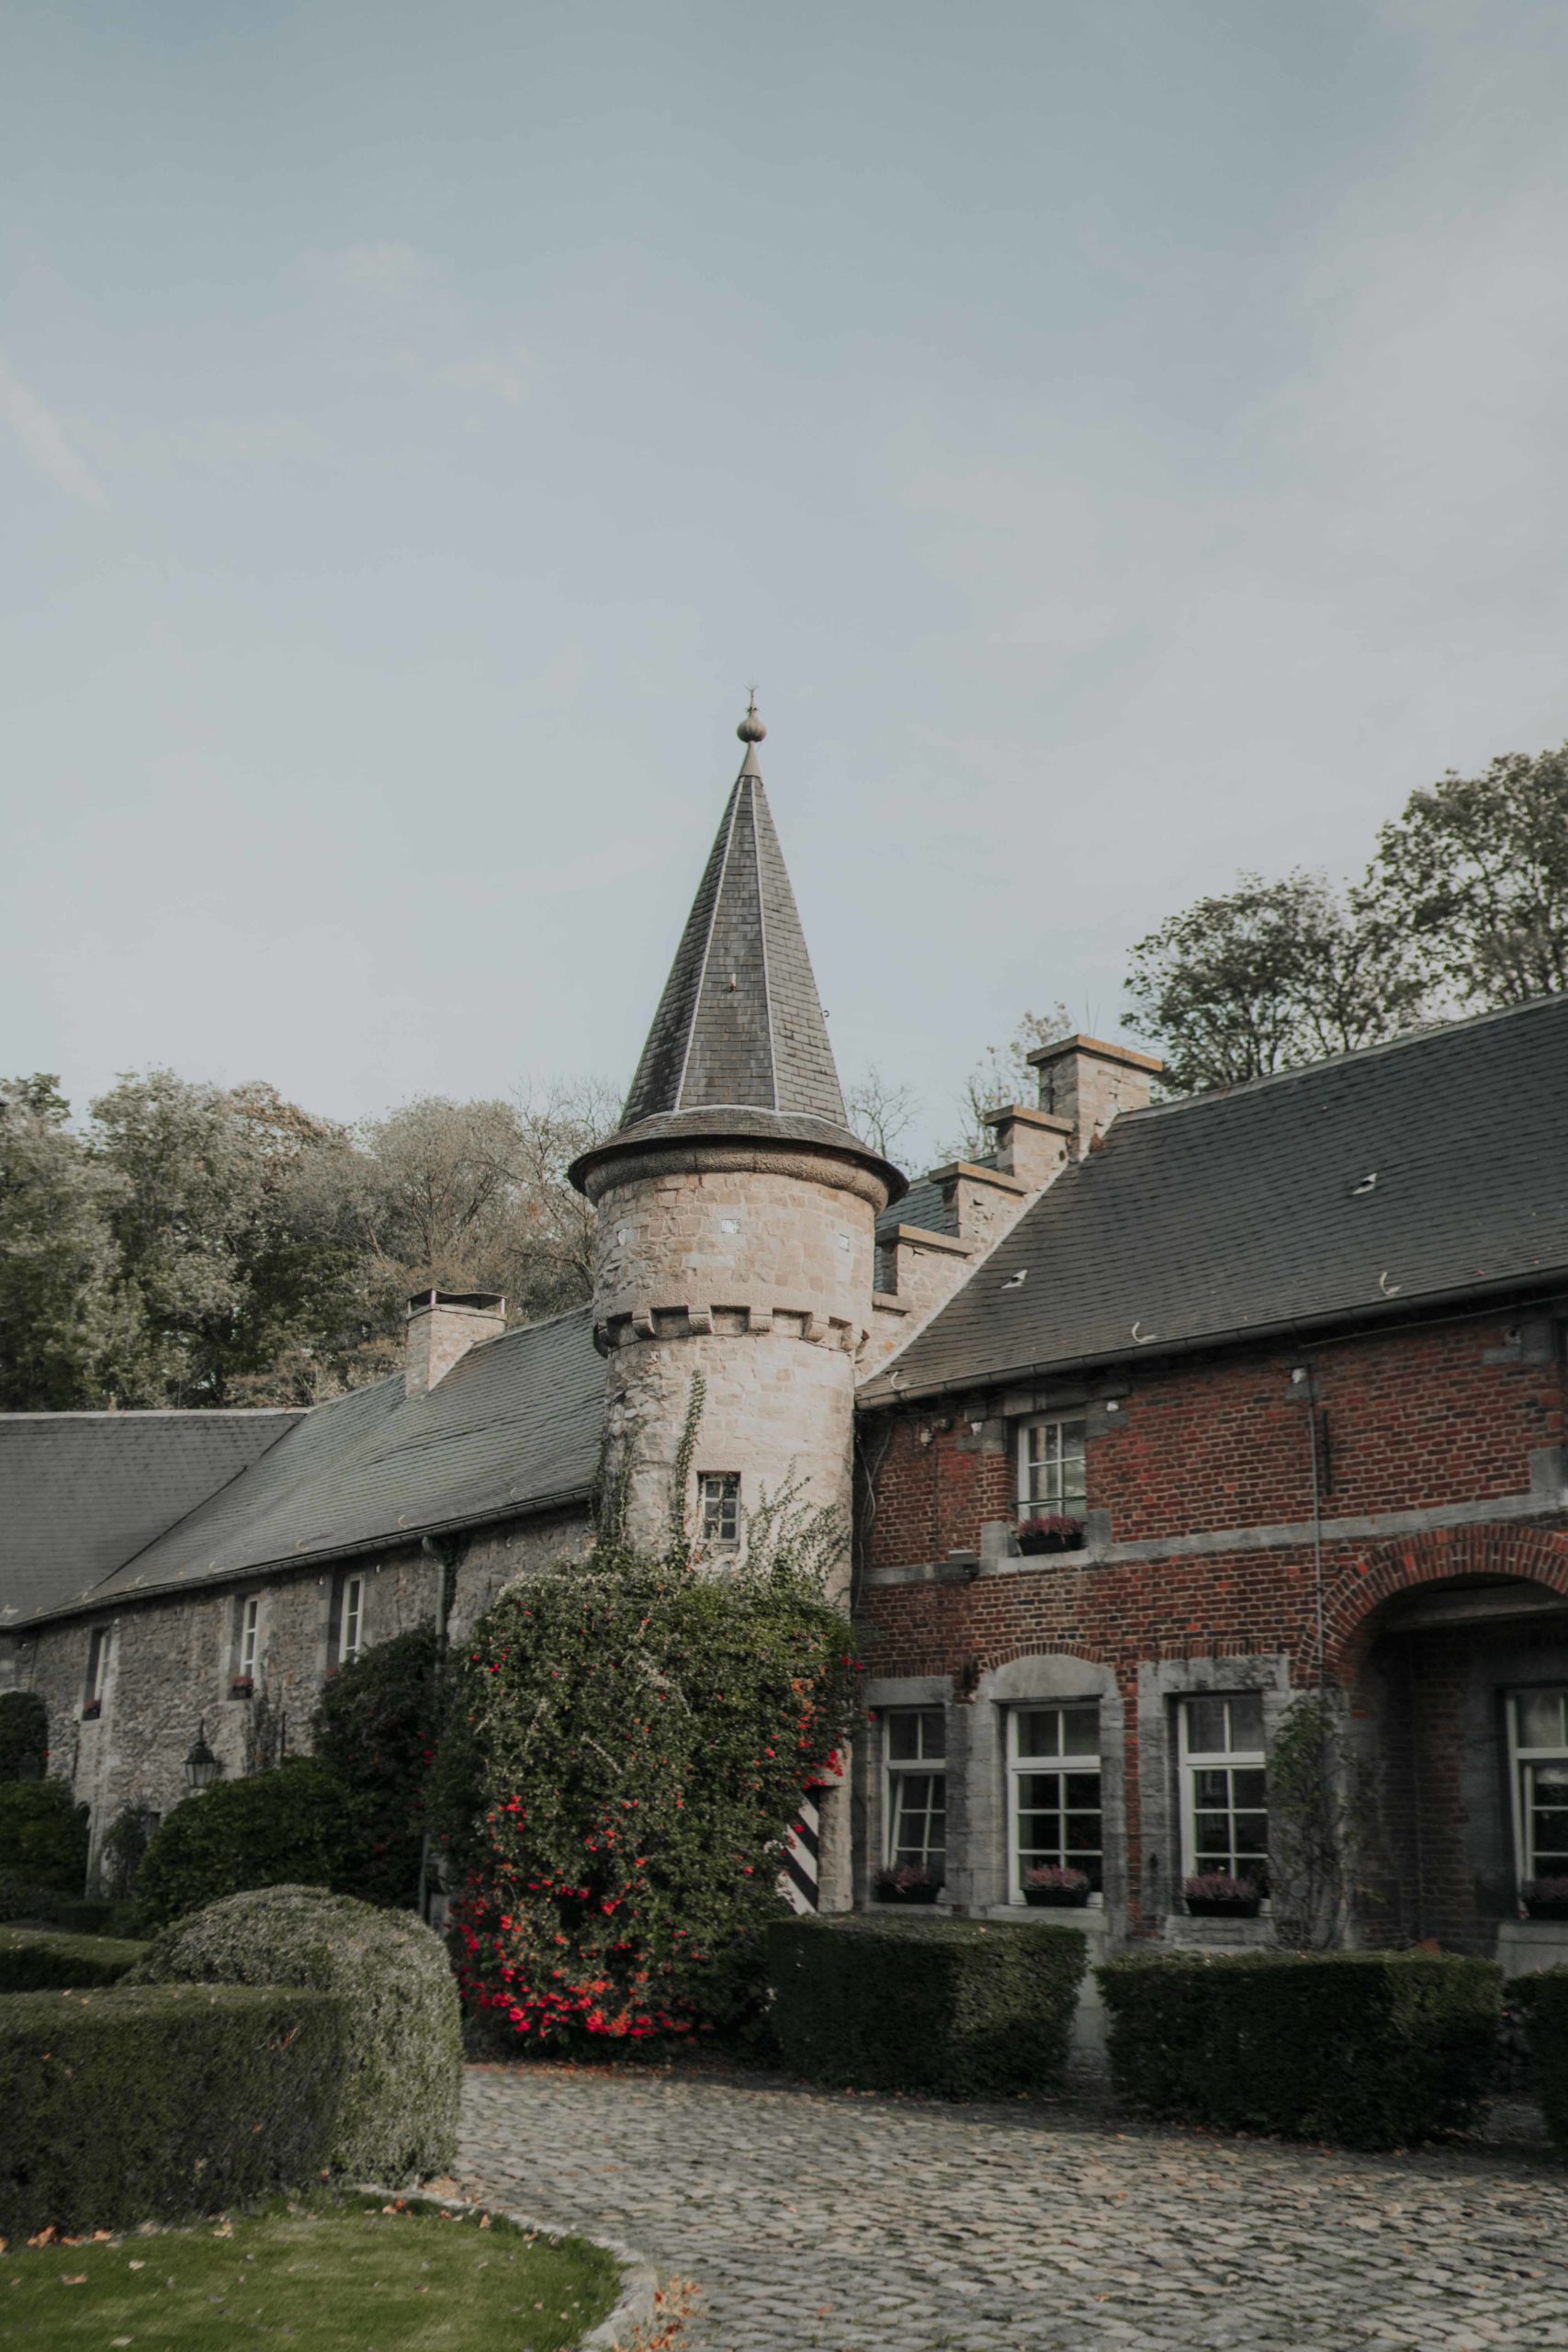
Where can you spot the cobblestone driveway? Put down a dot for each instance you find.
(838, 2221)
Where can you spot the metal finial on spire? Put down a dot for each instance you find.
(751, 730)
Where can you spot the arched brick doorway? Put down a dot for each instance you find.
(1452, 1643)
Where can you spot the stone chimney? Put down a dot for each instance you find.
(443, 1326)
(1087, 1083)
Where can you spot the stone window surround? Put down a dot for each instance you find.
(240, 1675)
(979, 1826)
(1161, 1683)
(95, 1674)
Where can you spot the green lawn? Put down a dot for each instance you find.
(314, 2273)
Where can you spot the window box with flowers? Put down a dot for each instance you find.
(904, 1882)
(1214, 1895)
(1052, 1531)
(1545, 1899)
(1050, 1889)
(242, 1686)
(91, 1709)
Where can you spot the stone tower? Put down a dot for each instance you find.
(735, 1215)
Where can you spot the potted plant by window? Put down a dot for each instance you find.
(1048, 1889)
(1053, 1530)
(904, 1882)
(1214, 1895)
(91, 1709)
(240, 1686)
(1545, 1899)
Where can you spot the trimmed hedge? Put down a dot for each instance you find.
(1368, 2049)
(1543, 1998)
(32, 1959)
(963, 2007)
(290, 1827)
(395, 2110)
(127, 2106)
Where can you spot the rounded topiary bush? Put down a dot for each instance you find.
(291, 1826)
(398, 2113)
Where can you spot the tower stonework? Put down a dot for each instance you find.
(735, 1215)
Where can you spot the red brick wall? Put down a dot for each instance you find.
(1412, 1420)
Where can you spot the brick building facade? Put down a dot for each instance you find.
(1283, 1365)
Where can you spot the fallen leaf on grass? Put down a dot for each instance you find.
(137, 2266)
(79, 2278)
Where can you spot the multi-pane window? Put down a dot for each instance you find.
(97, 1671)
(1050, 1469)
(916, 1789)
(248, 1629)
(1538, 1737)
(718, 1494)
(350, 1641)
(1225, 1802)
(1054, 1776)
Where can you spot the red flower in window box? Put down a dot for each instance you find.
(92, 1711)
(1050, 1889)
(240, 1686)
(1053, 1530)
(904, 1882)
(1214, 1895)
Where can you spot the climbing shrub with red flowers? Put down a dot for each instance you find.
(625, 1752)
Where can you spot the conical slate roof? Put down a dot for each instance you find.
(738, 1045)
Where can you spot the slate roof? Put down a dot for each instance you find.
(1251, 1211)
(81, 1492)
(514, 1427)
(738, 1045)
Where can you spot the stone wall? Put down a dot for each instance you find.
(753, 1270)
(172, 1660)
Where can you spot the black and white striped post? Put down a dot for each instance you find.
(802, 1870)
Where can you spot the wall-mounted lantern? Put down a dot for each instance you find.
(202, 1767)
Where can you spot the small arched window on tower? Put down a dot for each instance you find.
(718, 1498)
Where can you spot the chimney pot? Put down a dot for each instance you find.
(443, 1326)
(1089, 1083)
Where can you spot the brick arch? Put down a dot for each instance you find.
(1537, 1554)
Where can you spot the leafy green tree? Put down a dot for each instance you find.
(474, 1195)
(233, 1220)
(375, 1728)
(1476, 870)
(1269, 975)
(66, 1330)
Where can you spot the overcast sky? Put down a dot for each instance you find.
(1125, 442)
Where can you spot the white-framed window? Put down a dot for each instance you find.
(1051, 1468)
(97, 1671)
(1538, 1744)
(1225, 1787)
(351, 1621)
(1053, 1792)
(247, 1632)
(718, 1498)
(915, 1746)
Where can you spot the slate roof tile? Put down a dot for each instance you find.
(513, 1425)
(82, 1492)
(1250, 1210)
